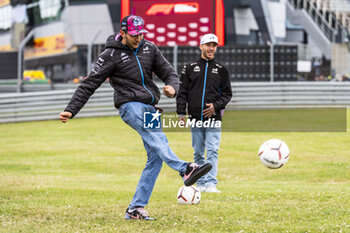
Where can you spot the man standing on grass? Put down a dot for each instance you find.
(129, 60)
(205, 89)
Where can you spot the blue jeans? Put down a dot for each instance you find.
(157, 148)
(206, 138)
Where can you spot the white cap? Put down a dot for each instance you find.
(207, 38)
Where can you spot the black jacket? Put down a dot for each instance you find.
(203, 82)
(129, 72)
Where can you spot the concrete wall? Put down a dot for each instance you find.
(81, 23)
(244, 21)
(278, 18)
(5, 38)
(340, 58)
(50, 29)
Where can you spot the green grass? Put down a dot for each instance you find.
(81, 176)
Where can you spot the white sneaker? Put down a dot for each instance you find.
(212, 189)
(202, 189)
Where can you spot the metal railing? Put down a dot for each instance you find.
(46, 105)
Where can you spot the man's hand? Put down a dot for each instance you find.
(169, 91)
(208, 112)
(65, 116)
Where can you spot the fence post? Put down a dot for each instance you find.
(271, 62)
(20, 60)
(175, 57)
(91, 42)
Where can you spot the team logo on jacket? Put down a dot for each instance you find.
(146, 50)
(98, 65)
(215, 71)
(183, 70)
(196, 69)
(124, 57)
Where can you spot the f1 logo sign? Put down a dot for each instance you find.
(178, 8)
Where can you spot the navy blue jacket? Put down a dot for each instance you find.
(203, 82)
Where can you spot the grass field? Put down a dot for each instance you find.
(80, 177)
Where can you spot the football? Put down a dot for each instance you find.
(274, 153)
(188, 195)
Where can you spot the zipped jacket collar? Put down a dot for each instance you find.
(202, 60)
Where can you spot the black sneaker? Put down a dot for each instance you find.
(137, 213)
(194, 172)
